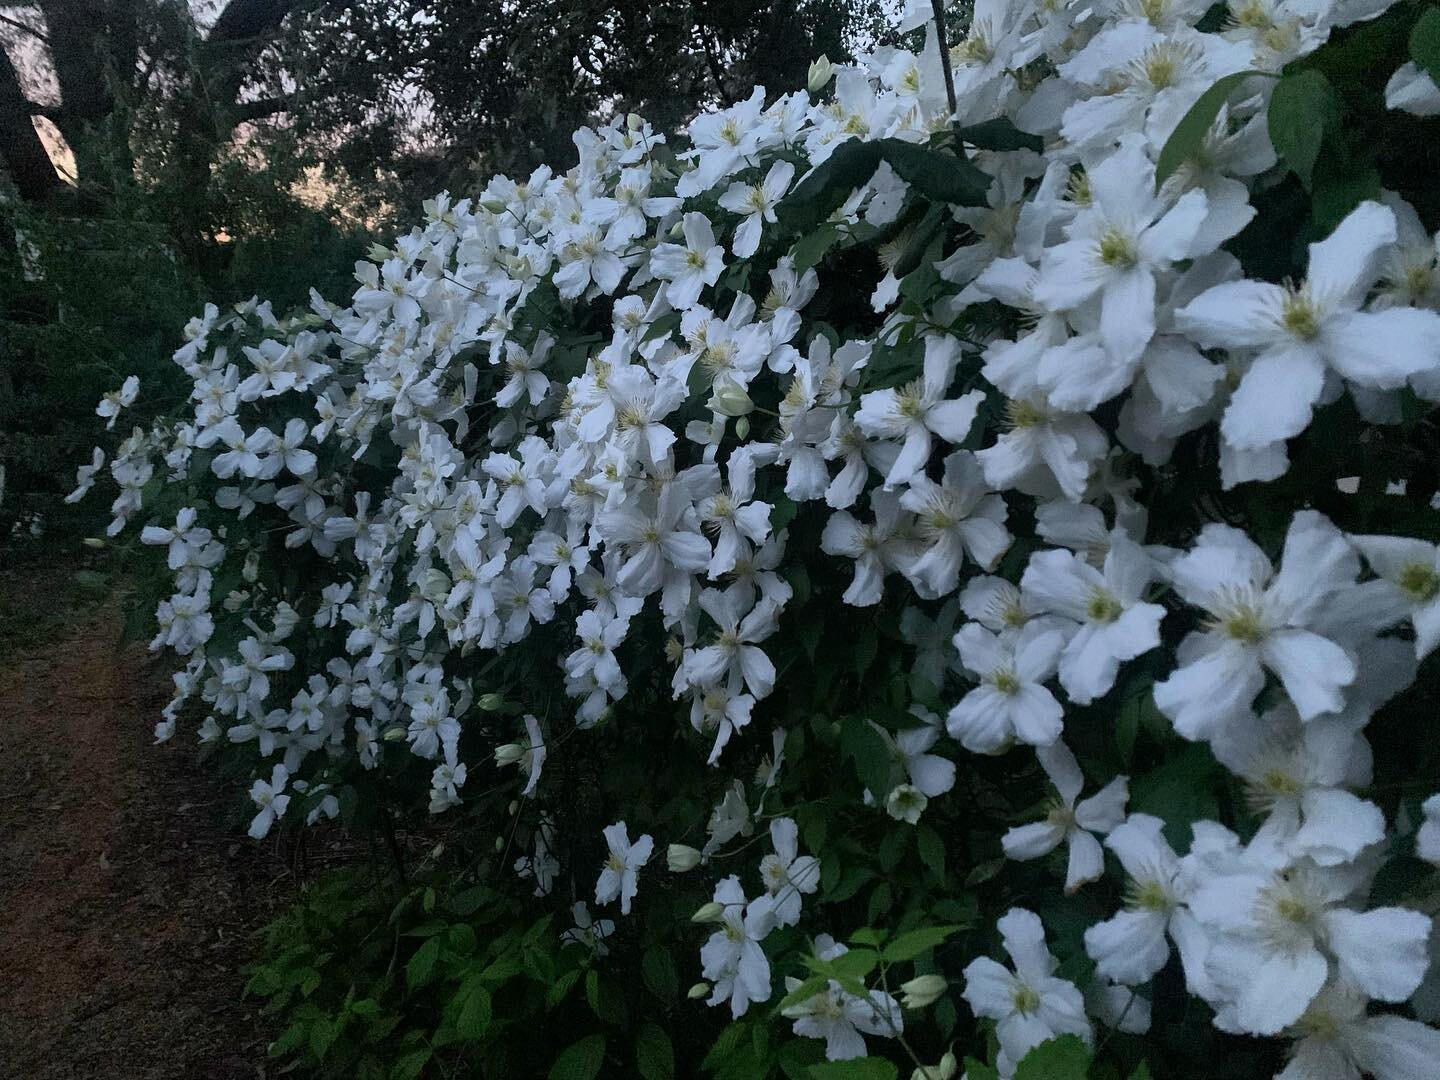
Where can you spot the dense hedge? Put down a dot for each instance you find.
(947, 560)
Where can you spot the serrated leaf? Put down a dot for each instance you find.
(724, 1045)
(474, 1018)
(1304, 109)
(410, 1066)
(654, 1056)
(1065, 1058)
(580, 1060)
(913, 942)
(658, 971)
(562, 986)
(1189, 135)
(422, 965)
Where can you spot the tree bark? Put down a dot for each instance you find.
(20, 144)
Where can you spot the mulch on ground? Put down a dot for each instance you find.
(128, 901)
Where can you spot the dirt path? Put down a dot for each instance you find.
(126, 903)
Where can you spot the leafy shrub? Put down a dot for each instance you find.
(1026, 507)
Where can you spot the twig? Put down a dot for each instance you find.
(18, 25)
(938, 6)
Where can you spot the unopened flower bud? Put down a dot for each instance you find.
(490, 702)
(820, 74)
(634, 121)
(495, 206)
(682, 857)
(96, 542)
(499, 843)
(730, 400)
(742, 427)
(711, 912)
(922, 990)
(514, 807)
(378, 252)
(699, 990)
(508, 754)
(394, 733)
(944, 1071)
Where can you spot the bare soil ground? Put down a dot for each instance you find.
(127, 903)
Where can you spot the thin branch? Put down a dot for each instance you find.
(38, 35)
(713, 61)
(49, 112)
(259, 109)
(938, 6)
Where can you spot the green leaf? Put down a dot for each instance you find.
(866, 1068)
(1303, 110)
(998, 134)
(1425, 43)
(662, 327)
(912, 943)
(867, 645)
(806, 990)
(1189, 135)
(1142, 1072)
(658, 970)
(1065, 1058)
(932, 850)
(561, 987)
(1338, 190)
(580, 1060)
(409, 1066)
(978, 1070)
(782, 512)
(422, 964)
(322, 1036)
(1180, 791)
(863, 745)
(654, 1056)
(811, 248)
(605, 997)
(474, 1018)
(829, 184)
(724, 1045)
(924, 232)
(855, 964)
(936, 173)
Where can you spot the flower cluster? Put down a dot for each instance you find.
(574, 417)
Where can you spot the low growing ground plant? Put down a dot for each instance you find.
(940, 569)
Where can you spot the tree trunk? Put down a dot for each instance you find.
(20, 144)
